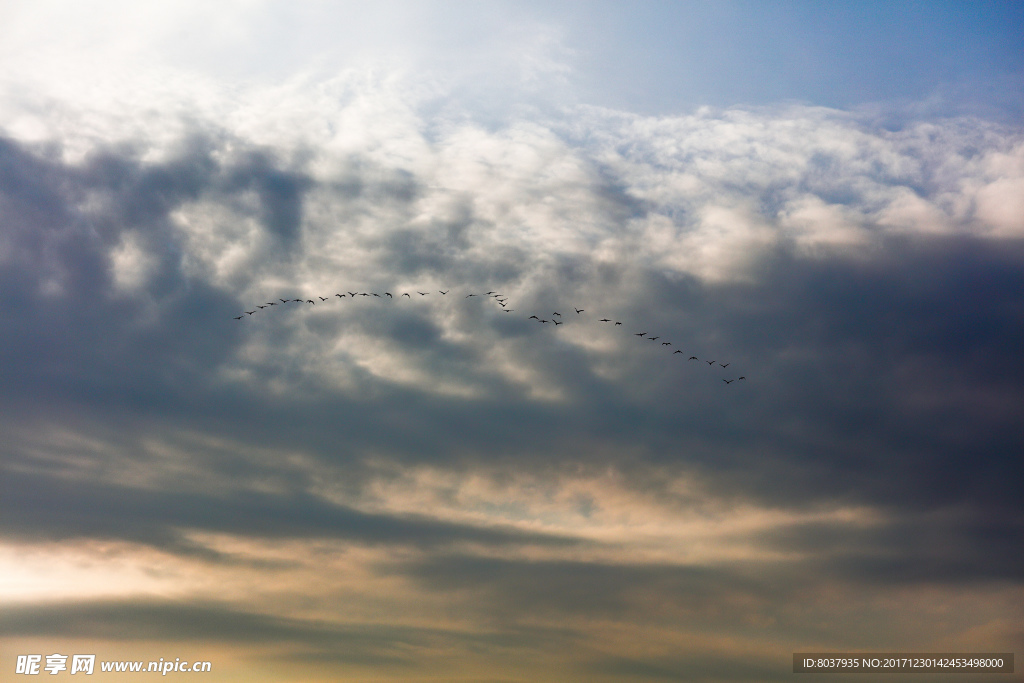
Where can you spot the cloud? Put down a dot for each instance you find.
(865, 281)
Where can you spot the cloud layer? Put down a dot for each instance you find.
(416, 486)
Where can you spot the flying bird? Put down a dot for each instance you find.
(340, 296)
(693, 358)
(389, 295)
(321, 298)
(422, 293)
(406, 294)
(352, 294)
(639, 334)
(508, 310)
(666, 343)
(260, 307)
(250, 312)
(284, 301)
(728, 381)
(310, 301)
(678, 351)
(444, 292)
(376, 295)
(578, 310)
(469, 295)
(605, 320)
(616, 324)
(556, 322)
(238, 318)
(533, 317)
(271, 303)
(653, 338)
(711, 362)
(741, 378)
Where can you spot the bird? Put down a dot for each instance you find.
(469, 295)
(238, 318)
(444, 292)
(284, 301)
(298, 301)
(556, 322)
(728, 381)
(363, 294)
(545, 321)
(340, 296)
(310, 301)
(711, 362)
(376, 294)
(666, 343)
(693, 358)
(260, 307)
(271, 303)
(639, 334)
(741, 378)
(421, 293)
(616, 324)
(352, 294)
(321, 298)
(406, 294)
(250, 312)
(605, 320)
(508, 310)
(557, 313)
(578, 310)
(653, 338)
(389, 295)
(533, 317)
(491, 292)
(678, 351)
(726, 365)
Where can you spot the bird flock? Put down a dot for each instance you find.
(555, 319)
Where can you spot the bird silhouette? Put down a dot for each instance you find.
(678, 351)
(310, 301)
(422, 293)
(710, 362)
(376, 294)
(321, 298)
(545, 321)
(406, 294)
(556, 322)
(340, 296)
(728, 381)
(666, 343)
(578, 310)
(469, 295)
(238, 318)
(741, 378)
(557, 313)
(616, 324)
(726, 365)
(260, 307)
(250, 312)
(389, 295)
(444, 292)
(508, 310)
(352, 294)
(533, 317)
(605, 320)
(271, 303)
(693, 358)
(284, 301)
(639, 334)
(653, 338)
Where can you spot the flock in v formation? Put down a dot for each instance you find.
(555, 318)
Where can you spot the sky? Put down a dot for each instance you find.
(804, 436)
